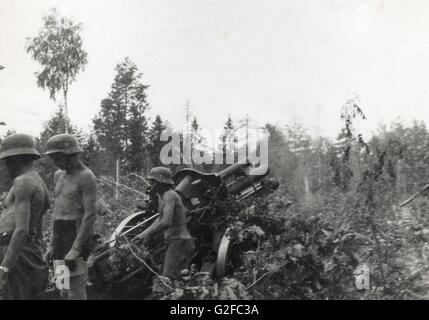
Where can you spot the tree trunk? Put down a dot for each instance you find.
(66, 112)
(117, 180)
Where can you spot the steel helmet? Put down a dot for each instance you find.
(63, 143)
(162, 175)
(18, 144)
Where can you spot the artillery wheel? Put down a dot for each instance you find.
(222, 256)
(126, 224)
(124, 276)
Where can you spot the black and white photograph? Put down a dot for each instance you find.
(231, 151)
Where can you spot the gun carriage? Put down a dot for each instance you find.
(213, 201)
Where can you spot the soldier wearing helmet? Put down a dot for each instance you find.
(23, 271)
(171, 221)
(74, 212)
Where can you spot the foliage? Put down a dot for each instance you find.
(58, 48)
(155, 144)
(226, 143)
(121, 125)
(336, 208)
(197, 285)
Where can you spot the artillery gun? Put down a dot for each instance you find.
(211, 199)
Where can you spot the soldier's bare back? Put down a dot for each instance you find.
(178, 228)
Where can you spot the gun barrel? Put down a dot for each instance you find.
(248, 180)
(225, 173)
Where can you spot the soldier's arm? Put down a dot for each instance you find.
(168, 212)
(47, 204)
(148, 231)
(89, 203)
(165, 221)
(57, 176)
(23, 190)
(39, 234)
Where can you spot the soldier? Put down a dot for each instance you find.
(74, 212)
(23, 272)
(172, 220)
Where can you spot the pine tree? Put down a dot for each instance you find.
(91, 155)
(137, 131)
(226, 147)
(155, 144)
(109, 126)
(54, 126)
(121, 125)
(195, 132)
(243, 136)
(188, 122)
(186, 138)
(348, 139)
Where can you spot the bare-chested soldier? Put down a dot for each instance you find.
(23, 271)
(172, 220)
(74, 211)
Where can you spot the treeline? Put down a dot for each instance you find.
(396, 156)
(123, 139)
(123, 134)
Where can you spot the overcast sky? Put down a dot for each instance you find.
(279, 61)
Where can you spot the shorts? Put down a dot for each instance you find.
(64, 235)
